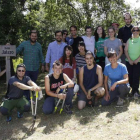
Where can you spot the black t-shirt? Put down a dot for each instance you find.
(75, 45)
(55, 83)
(14, 92)
(125, 33)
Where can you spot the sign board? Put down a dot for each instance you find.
(7, 50)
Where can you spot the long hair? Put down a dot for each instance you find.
(96, 34)
(133, 29)
(64, 54)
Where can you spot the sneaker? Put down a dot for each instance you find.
(9, 118)
(120, 102)
(67, 109)
(136, 95)
(19, 115)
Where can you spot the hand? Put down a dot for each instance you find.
(74, 79)
(107, 97)
(135, 62)
(130, 62)
(89, 95)
(58, 89)
(42, 68)
(112, 88)
(47, 68)
(62, 96)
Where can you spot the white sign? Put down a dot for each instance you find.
(7, 50)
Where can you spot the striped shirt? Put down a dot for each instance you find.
(80, 60)
(32, 55)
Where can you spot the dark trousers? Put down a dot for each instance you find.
(49, 104)
(133, 73)
(33, 75)
(120, 91)
(101, 62)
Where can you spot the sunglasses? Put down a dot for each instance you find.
(65, 33)
(135, 31)
(21, 70)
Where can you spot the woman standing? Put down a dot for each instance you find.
(117, 73)
(100, 37)
(69, 63)
(112, 43)
(132, 52)
(80, 58)
(89, 39)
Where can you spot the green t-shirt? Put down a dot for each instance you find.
(134, 48)
(99, 45)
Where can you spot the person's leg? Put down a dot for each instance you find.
(49, 105)
(7, 106)
(23, 105)
(50, 71)
(136, 71)
(123, 90)
(113, 97)
(69, 97)
(130, 73)
(82, 99)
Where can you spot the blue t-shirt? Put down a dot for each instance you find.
(115, 74)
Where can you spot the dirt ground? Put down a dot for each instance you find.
(98, 123)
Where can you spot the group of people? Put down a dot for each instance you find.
(83, 60)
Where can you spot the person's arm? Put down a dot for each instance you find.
(120, 52)
(68, 81)
(105, 51)
(127, 55)
(107, 96)
(2, 72)
(20, 48)
(41, 59)
(124, 81)
(74, 69)
(100, 80)
(81, 80)
(36, 87)
(23, 86)
(48, 57)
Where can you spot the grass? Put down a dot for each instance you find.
(98, 123)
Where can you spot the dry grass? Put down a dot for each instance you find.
(98, 123)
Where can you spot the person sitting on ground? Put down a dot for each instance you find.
(14, 96)
(53, 84)
(118, 74)
(69, 63)
(91, 81)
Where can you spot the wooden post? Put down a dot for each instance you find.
(7, 51)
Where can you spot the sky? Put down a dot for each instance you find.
(133, 3)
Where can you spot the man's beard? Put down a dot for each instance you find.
(32, 41)
(58, 40)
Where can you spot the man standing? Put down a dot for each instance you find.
(55, 51)
(14, 96)
(32, 56)
(53, 85)
(75, 38)
(91, 80)
(125, 32)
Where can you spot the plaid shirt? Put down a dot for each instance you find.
(32, 55)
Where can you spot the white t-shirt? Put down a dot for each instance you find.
(90, 43)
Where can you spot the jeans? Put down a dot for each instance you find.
(120, 91)
(49, 104)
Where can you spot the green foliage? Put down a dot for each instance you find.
(21, 16)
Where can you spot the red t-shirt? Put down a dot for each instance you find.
(67, 68)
